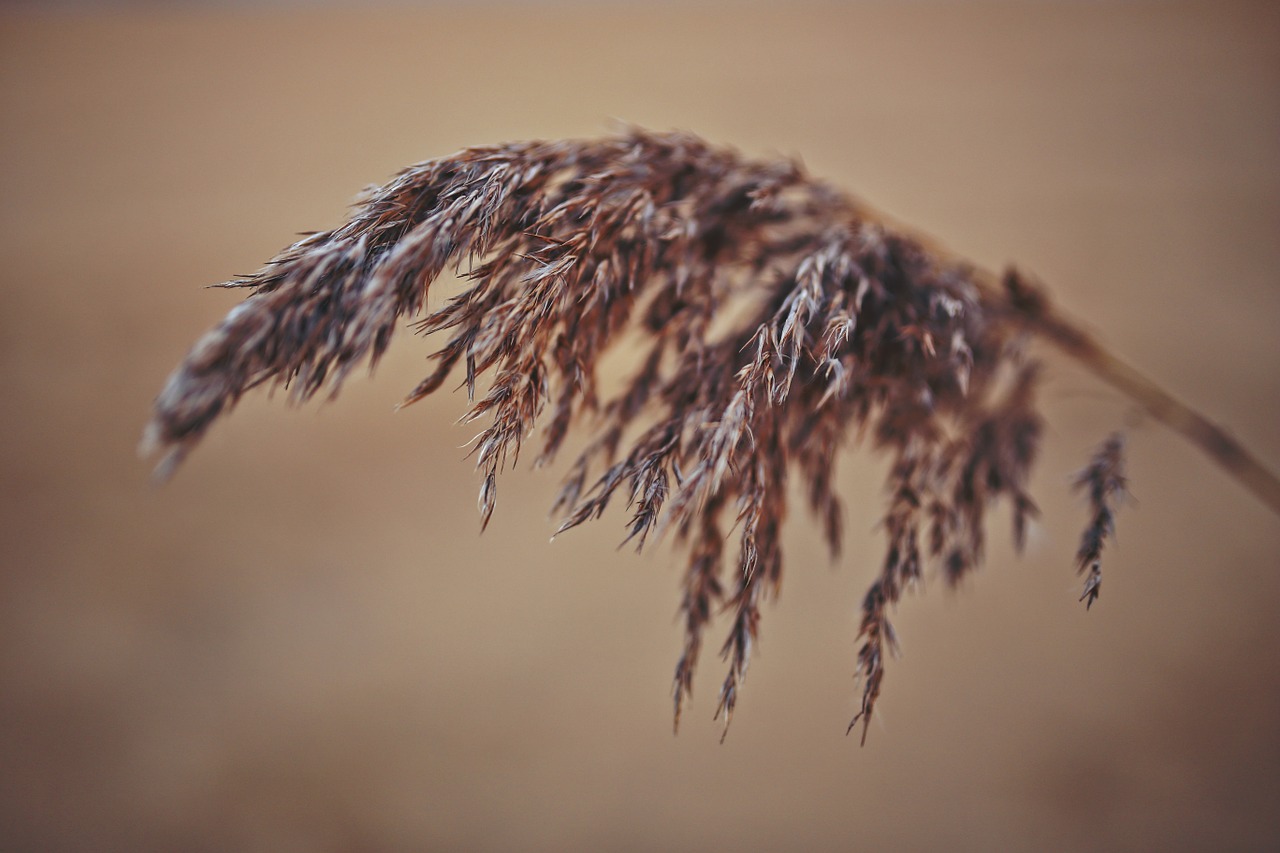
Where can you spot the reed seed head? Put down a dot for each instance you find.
(775, 320)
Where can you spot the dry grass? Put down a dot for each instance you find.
(777, 319)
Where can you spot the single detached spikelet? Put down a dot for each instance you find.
(773, 316)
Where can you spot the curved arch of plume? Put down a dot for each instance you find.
(774, 317)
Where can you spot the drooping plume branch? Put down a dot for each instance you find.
(1104, 481)
(774, 318)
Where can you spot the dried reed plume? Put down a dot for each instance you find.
(774, 317)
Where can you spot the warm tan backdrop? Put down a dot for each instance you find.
(303, 644)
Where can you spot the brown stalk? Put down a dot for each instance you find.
(1213, 440)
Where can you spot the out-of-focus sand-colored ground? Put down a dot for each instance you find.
(302, 643)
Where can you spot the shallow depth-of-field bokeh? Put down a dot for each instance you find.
(303, 643)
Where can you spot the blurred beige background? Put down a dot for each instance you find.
(302, 643)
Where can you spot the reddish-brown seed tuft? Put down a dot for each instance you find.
(776, 318)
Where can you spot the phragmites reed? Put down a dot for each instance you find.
(773, 318)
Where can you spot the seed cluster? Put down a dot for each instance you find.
(772, 320)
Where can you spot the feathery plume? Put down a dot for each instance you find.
(775, 318)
